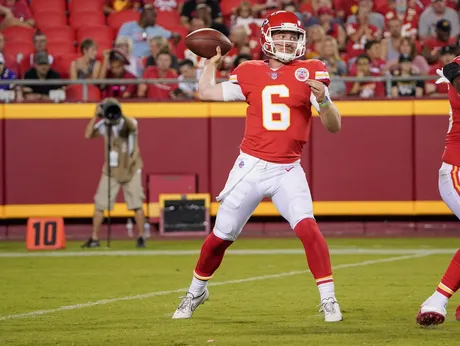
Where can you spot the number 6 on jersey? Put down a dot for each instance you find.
(269, 108)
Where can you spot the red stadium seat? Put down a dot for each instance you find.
(56, 48)
(76, 6)
(50, 19)
(59, 33)
(117, 19)
(47, 5)
(95, 32)
(18, 33)
(168, 18)
(74, 93)
(19, 48)
(86, 18)
(62, 64)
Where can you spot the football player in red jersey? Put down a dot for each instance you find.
(279, 93)
(433, 310)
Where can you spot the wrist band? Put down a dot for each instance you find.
(325, 103)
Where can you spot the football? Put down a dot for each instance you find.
(203, 42)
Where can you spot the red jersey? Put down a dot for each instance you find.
(278, 118)
(434, 44)
(452, 149)
(159, 91)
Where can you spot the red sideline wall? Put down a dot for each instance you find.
(385, 159)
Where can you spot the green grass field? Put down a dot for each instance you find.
(124, 296)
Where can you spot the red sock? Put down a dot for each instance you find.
(316, 250)
(450, 282)
(212, 253)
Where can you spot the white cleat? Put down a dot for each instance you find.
(431, 314)
(331, 310)
(189, 304)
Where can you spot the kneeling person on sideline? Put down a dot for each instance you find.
(125, 163)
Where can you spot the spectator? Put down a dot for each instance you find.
(15, 13)
(432, 15)
(239, 37)
(166, 5)
(406, 88)
(190, 7)
(111, 6)
(407, 48)
(335, 65)
(114, 67)
(365, 89)
(373, 50)
(432, 45)
(408, 17)
(141, 31)
(447, 55)
(40, 42)
(241, 58)
(374, 19)
(315, 36)
(359, 33)
(204, 12)
(159, 91)
(125, 44)
(188, 72)
(331, 27)
(86, 67)
(7, 74)
(243, 17)
(40, 71)
(159, 44)
(390, 44)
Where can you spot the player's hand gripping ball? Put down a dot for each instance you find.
(203, 42)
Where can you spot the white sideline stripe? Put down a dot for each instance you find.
(91, 253)
(229, 282)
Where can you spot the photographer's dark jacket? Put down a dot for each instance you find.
(124, 142)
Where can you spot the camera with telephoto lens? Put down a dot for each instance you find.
(111, 111)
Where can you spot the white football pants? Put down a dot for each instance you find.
(449, 187)
(250, 180)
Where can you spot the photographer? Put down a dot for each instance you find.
(125, 166)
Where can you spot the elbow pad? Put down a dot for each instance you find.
(451, 71)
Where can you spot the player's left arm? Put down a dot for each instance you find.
(452, 72)
(329, 114)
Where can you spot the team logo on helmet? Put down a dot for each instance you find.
(302, 74)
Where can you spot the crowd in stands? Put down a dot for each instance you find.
(130, 39)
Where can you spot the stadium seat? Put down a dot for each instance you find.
(85, 5)
(62, 64)
(74, 93)
(19, 48)
(18, 33)
(50, 19)
(47, 5)
(168, 18)
(86, 18)
(95, 32)
(56, 48)
(59, 33)
(117, 19)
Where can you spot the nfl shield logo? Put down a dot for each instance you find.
(241, 164)
(274, 75)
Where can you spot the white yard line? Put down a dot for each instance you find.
(91, 253)
(222, 283)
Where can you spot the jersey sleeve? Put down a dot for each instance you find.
(234, 88)
(232, 92)
(318, 71)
